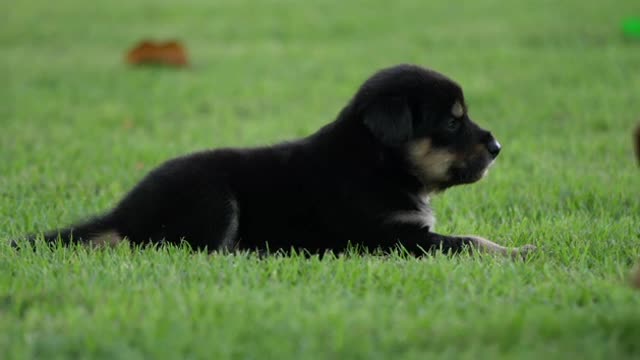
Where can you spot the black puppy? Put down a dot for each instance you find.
(364, 179)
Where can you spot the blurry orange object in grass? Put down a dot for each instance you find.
(170, 53)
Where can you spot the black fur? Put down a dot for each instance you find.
(353, 181)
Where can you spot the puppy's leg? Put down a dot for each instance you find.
(486, 246)
(207, 220)
(417, 241)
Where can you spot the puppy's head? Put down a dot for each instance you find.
(422, 116)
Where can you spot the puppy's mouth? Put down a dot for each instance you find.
(470, 170)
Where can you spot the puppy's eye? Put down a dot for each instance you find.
(452, 124)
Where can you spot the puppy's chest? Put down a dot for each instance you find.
(418, 212)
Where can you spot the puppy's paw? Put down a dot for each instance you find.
(523, 252)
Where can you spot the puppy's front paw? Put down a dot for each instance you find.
(523, 252)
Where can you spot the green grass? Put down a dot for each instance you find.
(556, 82)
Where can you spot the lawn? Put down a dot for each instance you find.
(556, 82)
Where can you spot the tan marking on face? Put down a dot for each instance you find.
(106, 239)
(479, 148)
(457, 110)
(430, 164)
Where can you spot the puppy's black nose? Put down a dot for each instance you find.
(493, 146)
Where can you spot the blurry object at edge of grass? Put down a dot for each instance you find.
(631, 27)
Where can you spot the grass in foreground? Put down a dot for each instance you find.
(171, 304)
(555, 82)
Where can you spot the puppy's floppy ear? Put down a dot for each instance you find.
(390, 120)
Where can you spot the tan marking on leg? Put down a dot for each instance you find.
(229, 241)
(105, 239)
(489, 247)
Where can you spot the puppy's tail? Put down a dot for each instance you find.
(98, 230)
